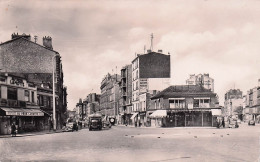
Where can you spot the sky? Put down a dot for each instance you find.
(221, 38)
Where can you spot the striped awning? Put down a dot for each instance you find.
(22, 112)
(158, 114)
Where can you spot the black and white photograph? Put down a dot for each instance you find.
(130, 80)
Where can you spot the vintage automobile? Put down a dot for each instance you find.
(71, 126)
(233, 123)
(95, 122)
(251, 122)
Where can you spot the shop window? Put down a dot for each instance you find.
(12, 93)
(26, 95)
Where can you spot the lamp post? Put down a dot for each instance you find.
(53, 92)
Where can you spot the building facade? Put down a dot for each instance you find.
(233, 104)
(181, 106)
(151, 71)
(35, 62)
(126, 95)
(93, 105)
(19, 105)
(110, 96)
(201, 79)
(252, 105)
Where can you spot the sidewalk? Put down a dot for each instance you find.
(32, 133)
(131, 126)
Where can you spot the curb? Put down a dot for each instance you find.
(30, 134)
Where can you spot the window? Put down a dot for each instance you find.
(32, 97)
(40, 100)
(26, 95)
(177, 103)
(12, 93)
(48, 101)
(196, 103)
(201, 102)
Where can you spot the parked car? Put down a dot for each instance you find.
(71, 125)
(233, 123)
(251, 122)
(106, 124)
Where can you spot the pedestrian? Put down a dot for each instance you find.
(223, 123)
(51, 125)
(13, 130)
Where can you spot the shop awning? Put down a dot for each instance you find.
(216, 112)
(133, 116)
(158, 114)
(22, 112)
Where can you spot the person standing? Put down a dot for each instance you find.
(223, 122)
(13, 130)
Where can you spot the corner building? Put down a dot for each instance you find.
(151, 71)
(35, 63)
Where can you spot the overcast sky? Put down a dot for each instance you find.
(221, 38)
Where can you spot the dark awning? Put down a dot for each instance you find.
(22, 112)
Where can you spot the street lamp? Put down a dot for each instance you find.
(53, 91)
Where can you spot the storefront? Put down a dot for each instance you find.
(142, 119)
(158, 118)
(25, 119)
(185, 117)
(134, 119)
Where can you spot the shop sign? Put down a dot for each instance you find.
(189, 110)
(11, 113)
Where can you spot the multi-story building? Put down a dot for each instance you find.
(233, 104)
(150, 71)
(252, 105)
(184, 105)
(109, 99)
(201, 79)
(19, 104)
(93, 106)
(35, 62)
(81, 110)
(126, 95)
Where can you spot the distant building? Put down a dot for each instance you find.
(22, 57)
(109, 99)
(151, 71)
(184, 105)
(126, 95)
(233, 104)
(201, 79)
(252, 105)
(93, 105)
(81, 110)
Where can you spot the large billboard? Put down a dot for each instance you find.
(155, 65)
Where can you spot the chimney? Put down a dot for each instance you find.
(160, 51)
(16, 35)
(47, 42)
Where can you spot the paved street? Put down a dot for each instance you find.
(122, 143)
